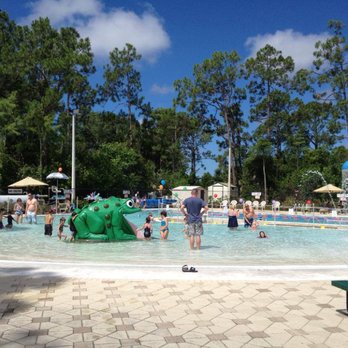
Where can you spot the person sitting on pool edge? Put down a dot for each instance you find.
(262, 234)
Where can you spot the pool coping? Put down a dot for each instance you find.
(174, 272)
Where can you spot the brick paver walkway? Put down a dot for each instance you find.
(51, 311)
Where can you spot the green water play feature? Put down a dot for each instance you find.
(104, 220)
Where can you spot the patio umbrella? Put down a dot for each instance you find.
(328, 189)
(57, 176)
(28, 181)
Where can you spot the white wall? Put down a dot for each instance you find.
(12, 198)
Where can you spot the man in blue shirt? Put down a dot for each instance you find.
(195, 208)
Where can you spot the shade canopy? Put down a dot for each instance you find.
(57, 176)
(28, 181)
(328, 189)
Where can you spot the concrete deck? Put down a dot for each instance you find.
(65, 305)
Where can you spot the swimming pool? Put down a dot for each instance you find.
(220, 246)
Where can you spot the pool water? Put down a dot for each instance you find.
(220, 246)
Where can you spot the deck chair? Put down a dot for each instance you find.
(234, 203)
(276, 206)
(256, 205)
(263, 205)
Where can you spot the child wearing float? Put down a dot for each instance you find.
(164, 228)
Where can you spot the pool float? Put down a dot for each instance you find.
(104, 221)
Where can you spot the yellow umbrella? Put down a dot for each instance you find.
(328, 189)
(28, 181)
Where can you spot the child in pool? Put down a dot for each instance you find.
(10, 220)
(254, 225)
(61, 228)
(262, 234)
(49, 223)
(2, 210)
(164, 229)
(147, 227)
(72, 226)
(185, 229)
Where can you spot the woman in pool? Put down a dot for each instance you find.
(164, 229)
(262, 234)
(232, 217)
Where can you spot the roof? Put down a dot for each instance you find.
(217, 184)
(187, 188)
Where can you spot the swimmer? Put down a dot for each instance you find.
(254, 225)
(262, 234)
(164, 229)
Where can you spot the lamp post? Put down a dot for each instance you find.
(73, 177)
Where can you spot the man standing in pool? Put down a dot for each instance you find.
(31, 208)
(195, 208)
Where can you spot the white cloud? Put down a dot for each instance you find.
(157, 89)
(59, 11)
(106, 29)
(292, 43)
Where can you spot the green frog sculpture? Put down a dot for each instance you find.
(104, 221)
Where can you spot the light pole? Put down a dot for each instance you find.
(73, 177)
(228, 138)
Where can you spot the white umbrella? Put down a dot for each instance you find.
(57, 176)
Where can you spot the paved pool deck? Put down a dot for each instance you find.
(66, 305)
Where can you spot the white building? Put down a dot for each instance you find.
(220, 191)
(182, 192)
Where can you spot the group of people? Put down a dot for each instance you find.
(193, 209)
(30, 211)
(249, 218)
(49, 218)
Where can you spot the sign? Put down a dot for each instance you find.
(256, 193)
(15, 191)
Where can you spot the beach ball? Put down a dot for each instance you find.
(163, 182)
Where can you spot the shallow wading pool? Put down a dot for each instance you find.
(220, 246)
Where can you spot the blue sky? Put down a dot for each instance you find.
(173, 35)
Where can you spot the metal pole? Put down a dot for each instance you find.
(229, 170)
(73, 178)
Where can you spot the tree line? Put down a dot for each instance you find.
(271, 122)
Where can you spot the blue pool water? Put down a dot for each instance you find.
(220, 246)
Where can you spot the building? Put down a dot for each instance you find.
(220, 191)
(182, 192)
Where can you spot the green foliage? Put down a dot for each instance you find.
(296, 119)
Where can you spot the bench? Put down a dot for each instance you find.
(342, 284)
